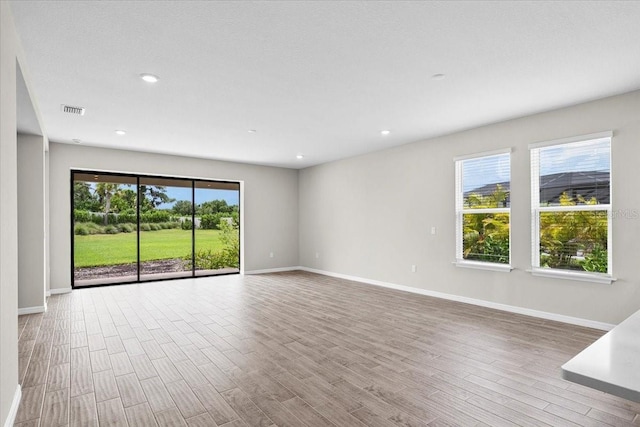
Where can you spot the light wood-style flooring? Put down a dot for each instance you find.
(297, 349)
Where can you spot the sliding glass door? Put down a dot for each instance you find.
(104, 237)
(131, 228)
(165, 245)
(217, 242)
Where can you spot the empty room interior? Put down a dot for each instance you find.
(300, 213)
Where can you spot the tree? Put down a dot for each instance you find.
(83, 199)
(214, 207)
(182, 208)
(152, 196)
(124, 200)
(105, 191)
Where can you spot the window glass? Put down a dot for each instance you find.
(571, 206)
(483, 186)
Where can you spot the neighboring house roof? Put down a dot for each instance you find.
(586, 184)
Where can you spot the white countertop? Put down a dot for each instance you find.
(612, 363)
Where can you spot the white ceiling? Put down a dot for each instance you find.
(316, 78)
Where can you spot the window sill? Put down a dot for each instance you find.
(491, 266)
(572, 275)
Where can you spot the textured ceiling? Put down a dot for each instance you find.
(315, 78)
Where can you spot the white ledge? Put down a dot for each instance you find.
(572, 275)
(491, 266)
(612, 363)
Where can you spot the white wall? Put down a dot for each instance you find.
(47, 264)
(8, 214)
(370, 216)
(31, 224)
(270, 201)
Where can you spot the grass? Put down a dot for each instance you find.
(111, 249)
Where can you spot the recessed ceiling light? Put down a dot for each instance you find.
(299, 157)
(121, 132)
(252, 131)
(385, 132)
(437, 76)
(76, 140)
(149, 78)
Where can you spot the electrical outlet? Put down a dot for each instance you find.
(270, 254)
(414, 268)
(433, 230)
(317, 254)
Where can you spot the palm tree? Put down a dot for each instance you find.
(106, 190)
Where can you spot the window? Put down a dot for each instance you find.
(571, 207)
(483, 185)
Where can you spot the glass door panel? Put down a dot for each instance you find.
(104, 229)
(217, 233)
(166, 233)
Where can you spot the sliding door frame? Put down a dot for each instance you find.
(137, 177)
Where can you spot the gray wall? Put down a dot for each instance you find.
(270, 201)
(8, 213)
(31, 222)
(371, 216)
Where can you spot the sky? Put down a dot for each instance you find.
(485, 170)
(232, 197)
(575, 157)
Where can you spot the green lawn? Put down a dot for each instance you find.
(111, 249)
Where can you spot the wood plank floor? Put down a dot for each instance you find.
(297, 349)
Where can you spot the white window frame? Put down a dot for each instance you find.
(536, 209)
(460, 211)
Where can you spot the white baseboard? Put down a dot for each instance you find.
(273, 270)
(59, 291)
(503, 307)
(13, 411)
(32, 310)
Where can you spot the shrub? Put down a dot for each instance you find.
(155, 217)
(81, 215)
(94, 228)
(145, 227)
(125, 228)
(174, 224)
(210, 221)
(111, 229)
(597, 260)
(125, 218)
(227, 257)
(80, 230)
(155, 227)
(165, 225)
(208, 260)
(186, 224)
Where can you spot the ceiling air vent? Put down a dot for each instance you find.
(72, 110)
